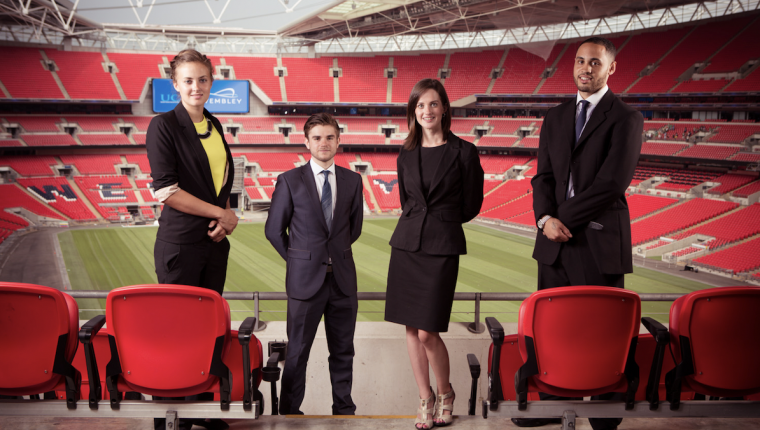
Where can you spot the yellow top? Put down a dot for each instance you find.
(217, 157)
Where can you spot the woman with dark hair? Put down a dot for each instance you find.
(190, 164)
(440, 184)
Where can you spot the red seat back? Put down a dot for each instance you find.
(102, 356)
(582, 337)
(234, 361)
(509, 363)
(33, 321)
(644, 354)
(166, 336)
(722, 327)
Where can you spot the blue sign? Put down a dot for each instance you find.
(226, 96)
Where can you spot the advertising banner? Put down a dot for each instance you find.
(226, 96)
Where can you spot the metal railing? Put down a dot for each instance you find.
(475, 327)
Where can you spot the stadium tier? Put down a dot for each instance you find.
(522, 71)
(470, 73)
(640, 205)
(309, 79)
(259, 138)
(490, 184)
(13, 196)
(104, 139)
(93, 123)
(57, 192)
(30, 165)
(362, 79)
(272, 161)
(714, 152)
(32, 124)
(92, 164)
(362, 139)
(253, 193)
(381, 162)
(658, 148)
(735, 226)
(48, 139)
(27, 67)
(641, 51)
(509, 127)
(730, 182)
(133, 71)
(736, 259)
(528, 142)
(747, 190)
(519, 206)
(260, 70)
(496, 164)
(505, 193)
(141, 160)
(734, 133)
(385, 189)
(737, 52)
(83, 75)
(10, 142)
(677, 218)
(410, 70)
(503, 141)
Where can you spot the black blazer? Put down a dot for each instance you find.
(603, 161)
(297, 229)
(176, 155)
(434, 222)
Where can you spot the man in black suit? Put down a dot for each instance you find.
(587, 153)
(316, 215)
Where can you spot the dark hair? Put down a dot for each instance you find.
(190, 56)
(322, 118)
(415, 129)
(608, 46)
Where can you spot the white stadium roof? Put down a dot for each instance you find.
(340, 27)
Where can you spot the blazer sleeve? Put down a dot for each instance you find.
(544, 182)
(357, 213)
(162, 154)
(613, 178)
(278, 220)
(472, 176)
(400, 171)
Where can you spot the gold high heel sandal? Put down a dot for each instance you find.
(442, 420)
(427, 407)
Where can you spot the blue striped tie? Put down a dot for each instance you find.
(327, 200)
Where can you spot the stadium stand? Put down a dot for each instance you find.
(522, 71)
(490, 184)
(48, 140)
(381, 162)
(464, 126)
(140, 122)
(734, 133)
(502, 141)
(714, 152)
(747, 190)
(12, 196)
(34, 124)
(260, 70)
(309, 79)
(73, 65)
(259, 138)
(509, 127)
(104, 139)
(25, 67)
(509, 191)
(144, 183)
(30, 165)
(739, 225)
(516, 207)
(148, 196)
(496, 164)
(527, 219)
(92, 164)
(736, 259)
(107, 196)
(266, 181)
(94, 123)
(362, 139)
(470, 73)
(749, 84)
(659, 148)
(134, 71)
(701, 86)
(642, 50)
(362, 125)
(677, 218)
(272, 161)
(737, 52)
(700, 43)
(529, 142)
(368, 199)
(58, 193)
(744, 156)
(730, 182)
(412, 68)
(253, 193)
(362, 79)
(141, 160)
(10, 142)
(255, 123)
(686, 251)
(268, 191)
(640, 205)
(385, 189)
(102, 182)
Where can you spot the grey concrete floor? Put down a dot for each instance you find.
(368, 423)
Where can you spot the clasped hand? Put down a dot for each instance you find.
(222, 226)
(556, 231)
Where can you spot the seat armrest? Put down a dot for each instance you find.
(271, 374)
(86, 334)
(474, 364)
(657, 330)
(496, 330)
(246, 330)
(91, 328)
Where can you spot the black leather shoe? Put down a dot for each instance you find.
(213, 424)
(535, 422)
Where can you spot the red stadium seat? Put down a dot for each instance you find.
(714, 338)
(38, 336)
(578, 341)
(235, 364)
(502, 377)
(169, 341)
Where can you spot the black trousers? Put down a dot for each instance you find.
(201, 264)
(575, 266)
(339, 311)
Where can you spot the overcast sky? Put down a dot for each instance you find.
(248, 14)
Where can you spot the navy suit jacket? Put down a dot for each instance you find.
(297, 229)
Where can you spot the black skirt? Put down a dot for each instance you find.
(421, 289)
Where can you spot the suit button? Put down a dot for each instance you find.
(424, 209)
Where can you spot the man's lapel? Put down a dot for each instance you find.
(598, 116)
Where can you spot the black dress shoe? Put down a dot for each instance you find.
(535, 422)
(213, 424)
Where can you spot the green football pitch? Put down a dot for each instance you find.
(108, 258)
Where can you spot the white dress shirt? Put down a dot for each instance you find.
(319, 178)
(592, 100)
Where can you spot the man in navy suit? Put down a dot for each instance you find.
(316, 215)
